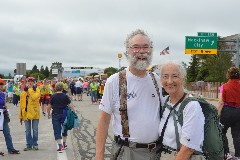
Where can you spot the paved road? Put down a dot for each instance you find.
(47, 145)
(84, 137)
(81, 141)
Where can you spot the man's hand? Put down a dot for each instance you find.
(21, 121)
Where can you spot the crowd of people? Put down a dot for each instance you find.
(40, 97)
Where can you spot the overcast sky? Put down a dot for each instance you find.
(91, 33)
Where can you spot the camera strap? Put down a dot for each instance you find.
(123, 103)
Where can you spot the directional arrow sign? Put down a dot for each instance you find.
(201, 45)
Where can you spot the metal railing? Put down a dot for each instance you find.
(204, 89)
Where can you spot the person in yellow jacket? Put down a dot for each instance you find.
(45, 97)
(16, 94)
(30, 113)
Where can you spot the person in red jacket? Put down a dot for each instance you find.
(229, 110)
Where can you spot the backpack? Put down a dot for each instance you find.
(213, 142)
(70, 119)
(71, 85)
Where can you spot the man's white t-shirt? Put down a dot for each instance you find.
(142, 106)
(191, 134)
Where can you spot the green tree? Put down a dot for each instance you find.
(42, 70)
(192, 70)
(28, 72)
(2, 76)
(202, 72)
(50, 74)
(9, 76)
(217, 67)
(38, 76)
(34, 69)
(110, 71)
(214, 67)
(46, 71)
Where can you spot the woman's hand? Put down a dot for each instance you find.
(184, 153)
(20, 121)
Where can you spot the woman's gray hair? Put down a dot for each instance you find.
(59, 86)
(182, 69)
(134, 33)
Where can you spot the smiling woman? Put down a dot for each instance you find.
(183, 140)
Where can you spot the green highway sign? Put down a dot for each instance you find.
(202, 42)
(81, 67)
(207, 34)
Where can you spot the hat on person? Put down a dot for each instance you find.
(30, 79)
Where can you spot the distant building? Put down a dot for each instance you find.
(231, 45)
(75, 72)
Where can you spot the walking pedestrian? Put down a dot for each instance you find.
(6, 120)
(16, 94)
(10, 91)
(45, 97)
(73, 90)
(58, 103)
(93, 89)
(79, 89)
(229, 111)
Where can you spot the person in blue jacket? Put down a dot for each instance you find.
(6, 129)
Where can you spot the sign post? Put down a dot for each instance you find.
(119, 58)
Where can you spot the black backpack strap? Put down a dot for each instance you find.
(157, 90)
(123, 103)
(165, 124)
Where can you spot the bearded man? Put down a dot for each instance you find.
(142, 103)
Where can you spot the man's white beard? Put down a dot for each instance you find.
(140, 64)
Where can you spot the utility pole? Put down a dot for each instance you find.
(119, 58)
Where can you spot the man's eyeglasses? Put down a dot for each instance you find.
(136, 49)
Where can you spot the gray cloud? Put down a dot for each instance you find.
(92, 33)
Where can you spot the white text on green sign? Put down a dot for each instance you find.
(194, 42)
(208, 34)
